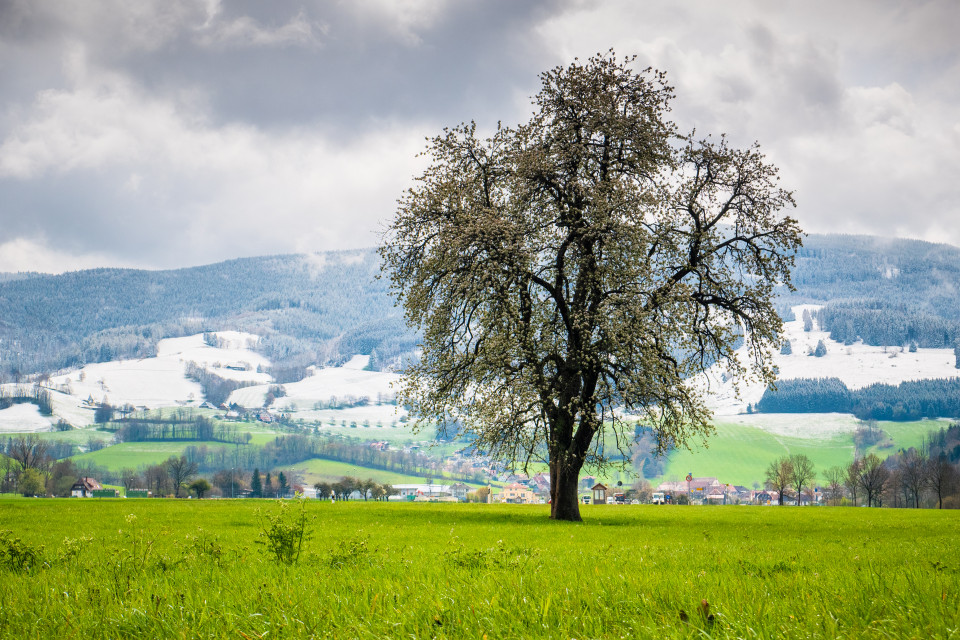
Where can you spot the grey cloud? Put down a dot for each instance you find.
(164, 132)
(334, 64)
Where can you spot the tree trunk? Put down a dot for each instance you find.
(563, 492)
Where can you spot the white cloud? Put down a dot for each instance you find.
(406, 19)
(23, 254)
(141, 137)
(854, 102)
(207, 191)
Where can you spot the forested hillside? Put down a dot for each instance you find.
(882, 291)
(322, 308)
(910, 400)
(308, 309)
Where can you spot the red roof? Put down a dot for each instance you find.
(88, 484)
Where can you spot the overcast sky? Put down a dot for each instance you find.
(169, 133)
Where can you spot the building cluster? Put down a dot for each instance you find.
(712, 491)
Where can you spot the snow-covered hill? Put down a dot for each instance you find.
(161, 382)
(335, 393)
(857, 365)
(327, 385)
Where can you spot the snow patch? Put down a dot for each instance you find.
(357, 362)
(857, 365)
(339, 382)
(23, 418)
(160, 381)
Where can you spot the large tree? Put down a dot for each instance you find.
(573, 274)
(29, 452)
(181, 472)
(872, 476)
(803, 473)
(779, 477)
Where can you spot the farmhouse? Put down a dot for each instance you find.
(84, 488)
(517, 494)
(459, 491)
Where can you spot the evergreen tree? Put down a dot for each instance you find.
(268, 486)
(821, 350)
(807, 320)
(786, 349)
(256, 488)
(282, 486)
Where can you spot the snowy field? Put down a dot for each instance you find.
(234, 361)
(23, 418)
(385, 414)
(857, 365)
(161, 381)
(341, 383)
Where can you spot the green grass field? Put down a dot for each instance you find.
(740, 454)
(192, 569)
(134, 454)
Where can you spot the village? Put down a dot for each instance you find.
(534, 490)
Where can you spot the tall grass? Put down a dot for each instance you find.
(126, 568)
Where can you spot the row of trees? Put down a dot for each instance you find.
(882, 324)
(910, 478)
(342, 489)
(194, 427)
(910, 400)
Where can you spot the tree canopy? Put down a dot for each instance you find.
(572, 275)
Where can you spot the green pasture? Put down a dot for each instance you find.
(76, 436)
(907, 434)
(193, 569)
(740, 454)
(135, 454)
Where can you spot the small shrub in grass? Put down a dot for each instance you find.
(349, 552)
(71, 548)
(205, 546)
(498, 556)
(18, 556)
(283, 532)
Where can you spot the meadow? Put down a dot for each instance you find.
(194, 569)
(741, 453)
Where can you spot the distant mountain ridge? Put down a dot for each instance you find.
(308, 308)
(322, 308)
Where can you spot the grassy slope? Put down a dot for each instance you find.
(134, 454)
(191, 569)
(739, 454)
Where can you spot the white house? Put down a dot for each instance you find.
(84, 488)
